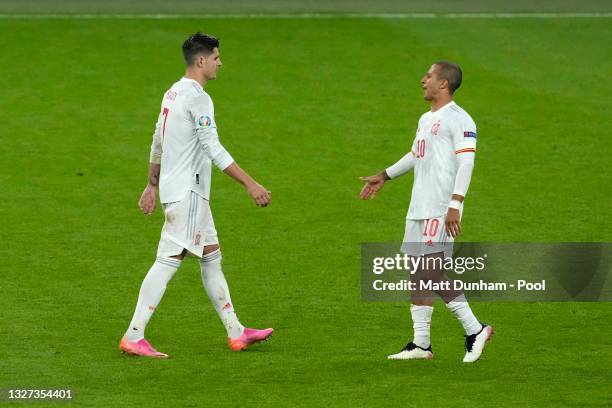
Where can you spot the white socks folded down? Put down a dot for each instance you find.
(154, 285)
(421, 323)
(461, 309)
(421, 320)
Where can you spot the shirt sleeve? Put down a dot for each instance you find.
(406, 163)
(464, 135)
(156, 145)
(202, 112)
(464, 141)
(465, 166)
(401, 167)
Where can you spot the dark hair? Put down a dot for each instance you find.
(198, 44)
(451, 72)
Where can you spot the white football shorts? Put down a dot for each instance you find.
(424, 237)
(188, 225)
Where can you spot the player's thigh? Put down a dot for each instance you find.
(412, 244)
(433, 230)
(169, 245)
(188, 225)
(209, 229)
(425, 237)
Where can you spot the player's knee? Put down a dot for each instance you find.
(168, 262)
(179, 256)
(211, 257)
(210, 248)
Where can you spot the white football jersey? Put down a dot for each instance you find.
(441, 136)
(186, 143)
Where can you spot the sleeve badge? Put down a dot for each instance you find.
(204, 121)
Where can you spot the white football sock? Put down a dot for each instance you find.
(460, 307)
(421, 323)
(151, 291)
(218, 292)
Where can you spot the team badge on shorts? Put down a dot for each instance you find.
(205, 121)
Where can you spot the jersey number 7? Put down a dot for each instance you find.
(165, 112)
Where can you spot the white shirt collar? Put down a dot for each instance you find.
(192, 80)
(451, 103)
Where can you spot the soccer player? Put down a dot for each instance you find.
(185, 145)
(442, 157)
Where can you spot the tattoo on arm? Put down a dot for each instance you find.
(154, 174)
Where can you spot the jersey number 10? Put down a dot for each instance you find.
(420, 148)
(433, 225)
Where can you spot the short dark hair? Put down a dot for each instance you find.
(451, 72)
(198, 43)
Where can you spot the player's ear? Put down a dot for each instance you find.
(201, 60)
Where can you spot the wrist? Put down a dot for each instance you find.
(454, 204)
(249, 184)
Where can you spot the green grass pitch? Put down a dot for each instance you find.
(306, 106)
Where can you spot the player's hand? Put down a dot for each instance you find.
(372, 186)
(148, 199)
(259, 194)
(453, 222)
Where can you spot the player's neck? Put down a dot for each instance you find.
(440, 102)
(192, 75)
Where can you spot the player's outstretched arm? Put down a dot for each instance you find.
(373, 185)
(376, 182)
(258, 193)
(401, 167)
(148, 199)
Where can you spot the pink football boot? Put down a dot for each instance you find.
(250, 336)
(140, 348)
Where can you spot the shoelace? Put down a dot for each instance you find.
(410, 346)
(469, 341)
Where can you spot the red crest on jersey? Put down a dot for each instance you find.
(434, 128)
(171, 95)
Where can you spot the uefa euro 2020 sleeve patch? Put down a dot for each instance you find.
(205, 121)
